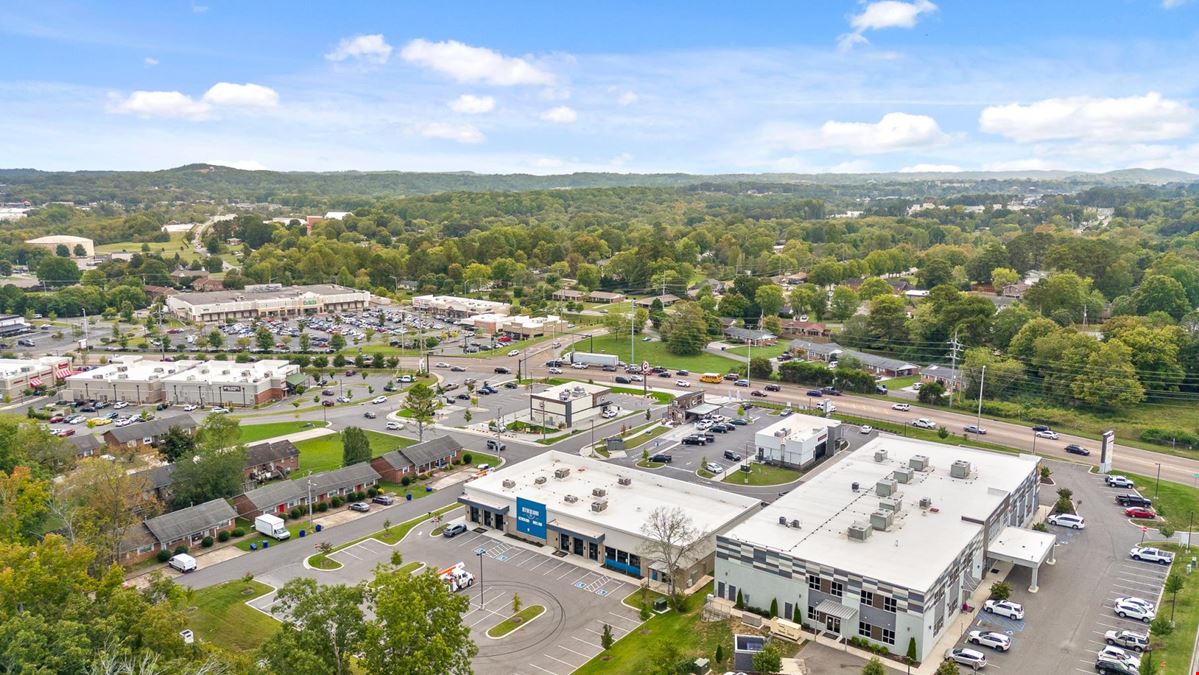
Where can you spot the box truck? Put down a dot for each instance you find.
(457, 577)
(592, 359)
(271, 526)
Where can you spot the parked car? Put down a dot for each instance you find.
(1006, 608)
(975, 429)
(1114, 668)
(1067, 520)
(1127, 639)
(904, 407)
(865, 429)
(971, 658)
(880, 388)
(385, 500)
(1119, 481)
(661, 458)
(997, 641)
(1133, 500)
(732, 456)
(694, 440)
(1075, 449)
(327, 403)
(713, 467)
(740, 421)
(361, 507)
(1111, 653)
(1133, 610)
(454, 530)
(183, 562)
(1140, 512)
(1150, 554)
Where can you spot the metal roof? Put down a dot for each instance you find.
(151, 429)
(431, 450)
(843, 612)
(345, 477)
(273, 494)
(192, 520)
(265, 453)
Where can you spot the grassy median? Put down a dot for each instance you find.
(515, 621)
(220, 615)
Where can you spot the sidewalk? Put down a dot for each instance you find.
(298, 436)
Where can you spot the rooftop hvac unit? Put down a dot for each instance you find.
(903, 474)
(960, 469)
(919, 462)
(855, 487)
(890, 504)
(783, 521)
(926, 502)
(570, 499)
(885, 487)
(880, 455)
(599, 492)
(625, 481)
(509, 483)
(122, 376)
(562, 473)
(599, 505)
(781, 433)
(795, 523)
(882, 520)
(859, 532)
(540, 480)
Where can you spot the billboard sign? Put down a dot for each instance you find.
(1106, 449)
(530, 517)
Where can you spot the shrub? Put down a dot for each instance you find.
(774, 608)
(719, 654)
(223, 536)
(338, 501)
(206, 542)
(373, 492)
(1000, 591)
(180, 549)
(406, 481)
(295, 512)
(740, 604)
(163, 555)
(1170, 437)
(239, 532)
(467, 458)
(322, 507)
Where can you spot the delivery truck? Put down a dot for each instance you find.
(457, 578)
(271, 526)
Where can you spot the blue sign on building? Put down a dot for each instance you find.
(530, 517)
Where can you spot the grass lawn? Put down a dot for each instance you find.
(324, 453)
(515, 621)
(658, 396)
(650, 465)
(897, 383)
(221, 616)
(1173, 502)
(1173, 651)
(389, 536)
(761, 474)
(704, 473)
(252, 433)
(656, 353)
(646, 437)
(253, 537)
(769, 351)
(168, 249)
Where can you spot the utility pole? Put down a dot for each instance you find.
(499, 424)
(979, 420)
(954, 348)
(632, 324)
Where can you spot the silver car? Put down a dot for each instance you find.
(982, 638)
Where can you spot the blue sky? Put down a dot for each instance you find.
(552, 87)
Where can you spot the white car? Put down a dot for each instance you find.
(379, 399)
(514, 352)
(1051, 435)
(901, 406)
(1119, 482)
(219, 410)
(990, 639)
(1119, 655)
(924, 423)
(970, 658)
(1006, 608)
(866, 428)
(120, 404)
(682, 383)
(1067, 520)
(1126, 609)
(713, 467)
(394, 426)
(1127, 639)
(442, 364)
(579, 366)
(1150, 554)
(555, 371)
(1137, 601)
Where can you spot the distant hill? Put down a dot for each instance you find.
(204, 181)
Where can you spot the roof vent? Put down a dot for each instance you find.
(599, 505)
(859, 531)
(890, 504)
(783, 521)
(880, 455)
(509, 483)
(570, 499)
(919, 462)
(625, 480)
(855, 487)
(926, 502)
(540, 480)
(562, 473)
(882, 520)
(885, 487)
(795, 523)
(903, 474)
(599, 492)
(960, 469)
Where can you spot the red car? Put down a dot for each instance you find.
(66, 432)
(757, 393)
(57, 419)
(1140, 512)
(327, 403)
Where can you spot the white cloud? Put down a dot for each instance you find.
(364, 48)
(162, 104)
(931, 168)
(472, 105)
(895, 131)
(241, 95)
(546, 163)
(628, 98)
(1135, 118)
(560, 115)
(883, 14)
(243, 164)
(150, 61)
(1171, 4)
(465, 63)
(852, 166)
(1031, 164)
(461, 133)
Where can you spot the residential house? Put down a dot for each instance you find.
(275, 498)
(882, 365)
(794, 328)
(900, 285)
(792, 279)
(208, 285)
(282, 496)
(159, 291)
(948, 377)
(157, 482)
(606, 297)
(185, 527)
(270, 460)
(88, 445)
(187, 277)
(144, 435)
(419, 458)
(815, 351)
(1016, 290)
(750, 335)
(667, 300)
(568, 295)
(353, 478)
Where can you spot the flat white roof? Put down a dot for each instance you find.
(921, 543)
(1021, 545)
(799, 426)
(628, 506)
(134, 369)
(11, 367)
(572, 390)
(230, 372)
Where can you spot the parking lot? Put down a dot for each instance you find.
(1065, 622)
(579, 600)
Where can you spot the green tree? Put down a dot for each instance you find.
(62, 251)
(337, 342)
(57, 272)
(1160, 293)
(606, 638)
(305, 341)
(417, 628)
(1174, 583)
(264, 339)
(99, 504)
(1149, 665)
(886, 324)
(23, 506)
(686, 331)
(1110, 380)
(215, 339)
(323, 625)
(176, 444)
(947, 668)
(355, 448)
(809, 299)
(872, 287)
(932, 393)
(874, 667)
(768, 660)
(1000, 591)
(760, 367)
(981, 267)
(935, 272)
(516, 603)
(1003, 276)
(769, 299)
(215, 473)
(420, 404)
(844, 303)
(218, 432)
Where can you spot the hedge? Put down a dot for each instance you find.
(322, 507)
(207, 542)
(1170, 437)
(163, 555)
(223, 536)
(239, 532)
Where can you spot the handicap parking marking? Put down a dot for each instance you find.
(1004, 624)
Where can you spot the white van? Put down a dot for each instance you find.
(183, 562)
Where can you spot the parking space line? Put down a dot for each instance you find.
(589, 644)
(543, 669)
(346, 551)
(561, 661)
(560, 563)
(625, 618)
(568, 572)
(544, 561)
(574, 652)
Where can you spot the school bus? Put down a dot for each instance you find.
(714, 378)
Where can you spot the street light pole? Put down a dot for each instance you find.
(499, 424)
(978, 421)
(479, 552)
(1158, 484)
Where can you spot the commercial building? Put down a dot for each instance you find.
(798, 440)
(226, 383)
(267, 300)
(17, 375)
(524, 327)
(831, 351)
(750, 335)
(53, 241)
(13, 324)
(606, 297)
(567, 405)
(600, 511)
(458, 308)
(887, 542)
(125, 378)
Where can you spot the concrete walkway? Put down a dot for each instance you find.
(298, 436)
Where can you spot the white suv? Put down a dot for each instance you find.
(971, 658)
(1119, 482)
(1127, 608)
(1006, 608)
(1119, 655)
(990, 639)
(1067, 520)
(1149, 554)
(924, 423)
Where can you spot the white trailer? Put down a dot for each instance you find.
(593, 359)
(271, 526)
